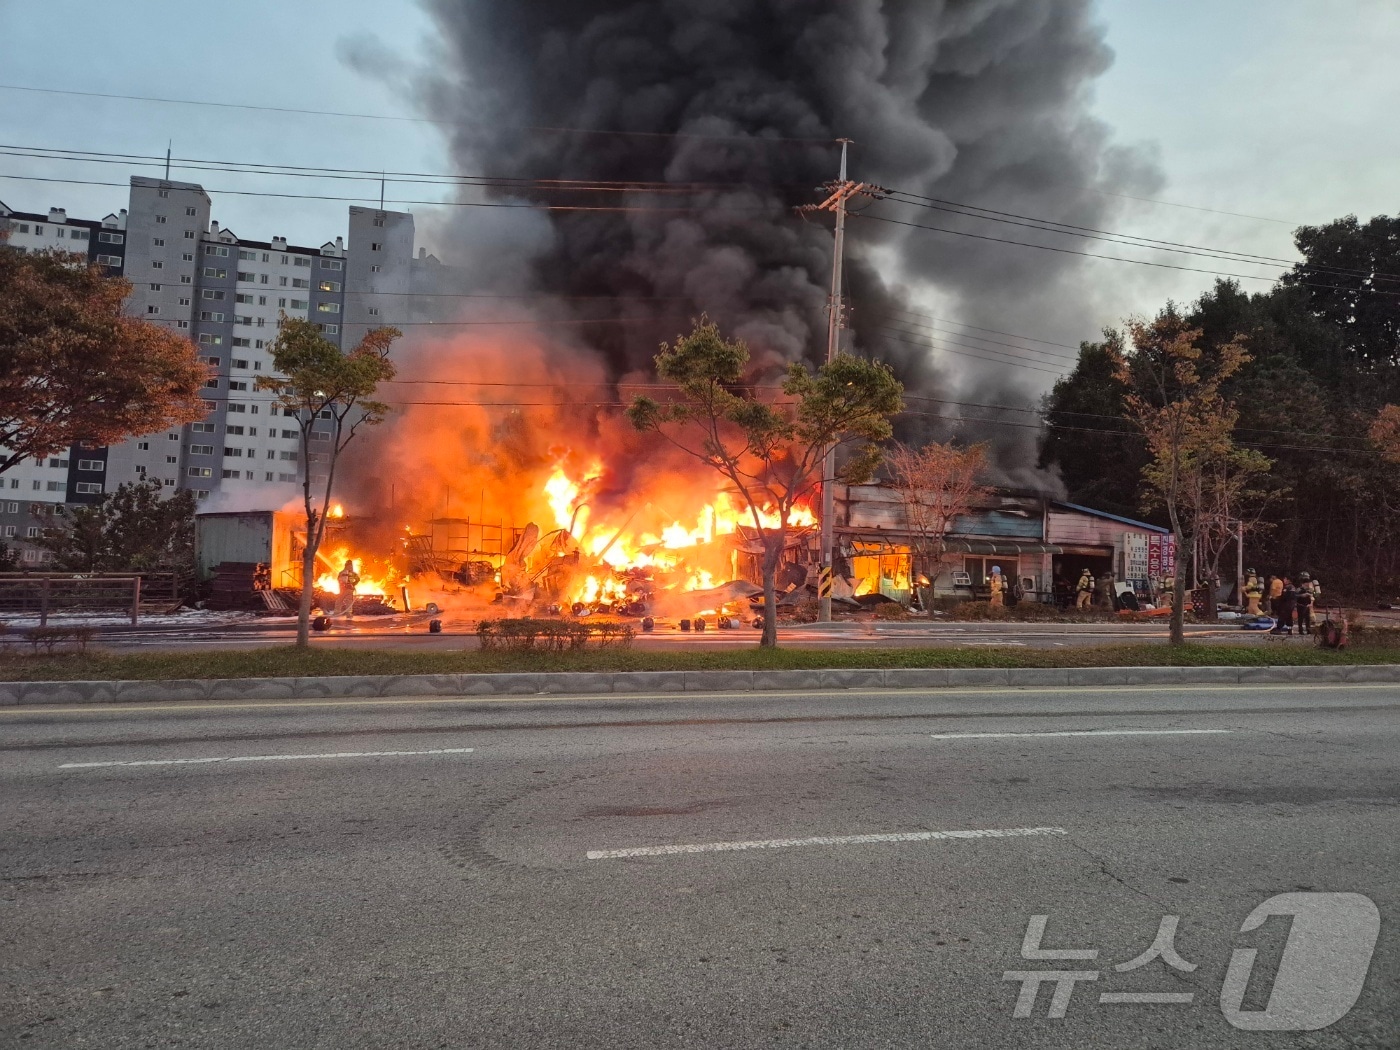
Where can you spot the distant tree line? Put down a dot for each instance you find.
(1314, 392)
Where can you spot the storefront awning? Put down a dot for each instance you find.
(1000, 548)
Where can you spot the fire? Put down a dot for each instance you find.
(628, 559)
(370, 585)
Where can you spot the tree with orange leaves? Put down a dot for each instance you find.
(1385, 432)
(75, 370)
(1174, 399)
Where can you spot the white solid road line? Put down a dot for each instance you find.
(264, 758)
(1084, 732)
(819, 840)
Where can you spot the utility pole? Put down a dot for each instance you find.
(842, 190)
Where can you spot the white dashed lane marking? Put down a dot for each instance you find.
(264, 758)
(819, 840)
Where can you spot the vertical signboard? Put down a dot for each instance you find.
(1161, 556)
(1136, 561)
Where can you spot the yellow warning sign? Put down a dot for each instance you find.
(824, 582)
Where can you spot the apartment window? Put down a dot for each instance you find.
(213, 293)
(156, 264)
(282, 282)
(201, 450)
(189, 235)
(10, 530)
(216, 249)
(242, 319)
(160, 220)
(211, 340)
(55, 486)
(242, 342)
(289, 433)
(253, 431)
(109, 260)
(374, 311)
(331, 329)
(258, 345)
(301, 260)
(184, 300)
(200, 472)
(186, 279)
(286, 477)
(163, 193)
(271, 454)
(268, 476)
(237, 408)
(238, 362)
(300, 282)
(253, 410)
(379, 221)
(102, 238)
(230, 473)
(375, 246)
(90, 464)
(202, 428)
(23, 227)
(155, 287)
(211, 271)
(282, 304)
(332, 264)
(88, 487)
(262, 300)
(14, 508)
(213, 361)
(152, 309)
(32, 532)
(246, 300)
(282, 259)
(60, 232)
(212, 383)
(144, 446)
(328, 308)
(248, 277)
(211, 315)
(233, 428)
(375, 268)
(262, 278)
(299, 304)
(233, 451)
(187, 256)
(237, 384)
(38, 229)
(290, 457)
(191, 211)
(247, 256)
(80, 235)
(158, 241)
(326, 413)
(329, 286)
(60, 463)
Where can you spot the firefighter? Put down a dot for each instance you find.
(348, 579)
(998, 586)
(1253, 591)
(1308, 592)
(1275, 593)
(1085, 590)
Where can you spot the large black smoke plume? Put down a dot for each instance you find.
(737, 103)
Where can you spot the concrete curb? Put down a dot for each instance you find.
(626, 683)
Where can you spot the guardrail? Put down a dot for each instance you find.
(45, 593)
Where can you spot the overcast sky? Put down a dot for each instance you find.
(1282, 109)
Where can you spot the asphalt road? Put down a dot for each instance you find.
(508, 874)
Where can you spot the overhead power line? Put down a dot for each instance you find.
(1110, 258)
(758, 138)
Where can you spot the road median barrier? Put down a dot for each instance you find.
(633, 683)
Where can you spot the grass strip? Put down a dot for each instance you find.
(287, 661)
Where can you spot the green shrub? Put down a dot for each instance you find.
(552, 636)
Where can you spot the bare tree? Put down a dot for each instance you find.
(936, 484)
